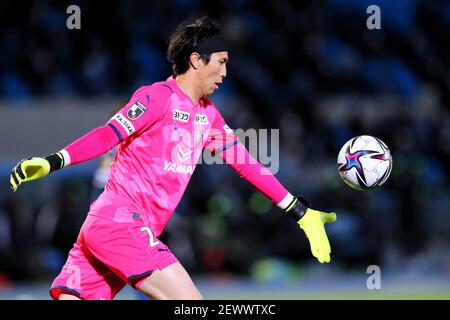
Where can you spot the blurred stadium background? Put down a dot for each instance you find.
(309, 68)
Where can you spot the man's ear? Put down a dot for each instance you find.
(194, 60)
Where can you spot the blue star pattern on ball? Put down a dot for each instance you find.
(352, 161)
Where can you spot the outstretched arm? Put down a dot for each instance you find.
(136, 116)
(91, 145)
(311, 221)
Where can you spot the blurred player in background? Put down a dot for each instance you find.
(161, 133)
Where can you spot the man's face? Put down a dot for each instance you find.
(213, 73)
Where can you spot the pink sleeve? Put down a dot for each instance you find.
(91, 145)
(222, 140)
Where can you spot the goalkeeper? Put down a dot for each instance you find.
(161, 133)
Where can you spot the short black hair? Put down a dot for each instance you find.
(186, 39)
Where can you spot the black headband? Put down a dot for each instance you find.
(211, 45)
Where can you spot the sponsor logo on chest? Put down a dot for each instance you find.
(181, 115)
(178, 167)
(201, 119)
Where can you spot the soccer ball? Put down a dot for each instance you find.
(364, 162)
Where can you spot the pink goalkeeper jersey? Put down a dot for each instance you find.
(163, 134)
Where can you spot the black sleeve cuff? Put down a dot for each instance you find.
(56, 161)
(298, 209)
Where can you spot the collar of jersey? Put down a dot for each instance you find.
(174, 84)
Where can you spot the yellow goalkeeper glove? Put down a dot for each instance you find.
(34, 168)
(312, 223)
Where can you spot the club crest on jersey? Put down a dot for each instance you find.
(201, 119)
(136, 110)
(181, 115)
(184, 156)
